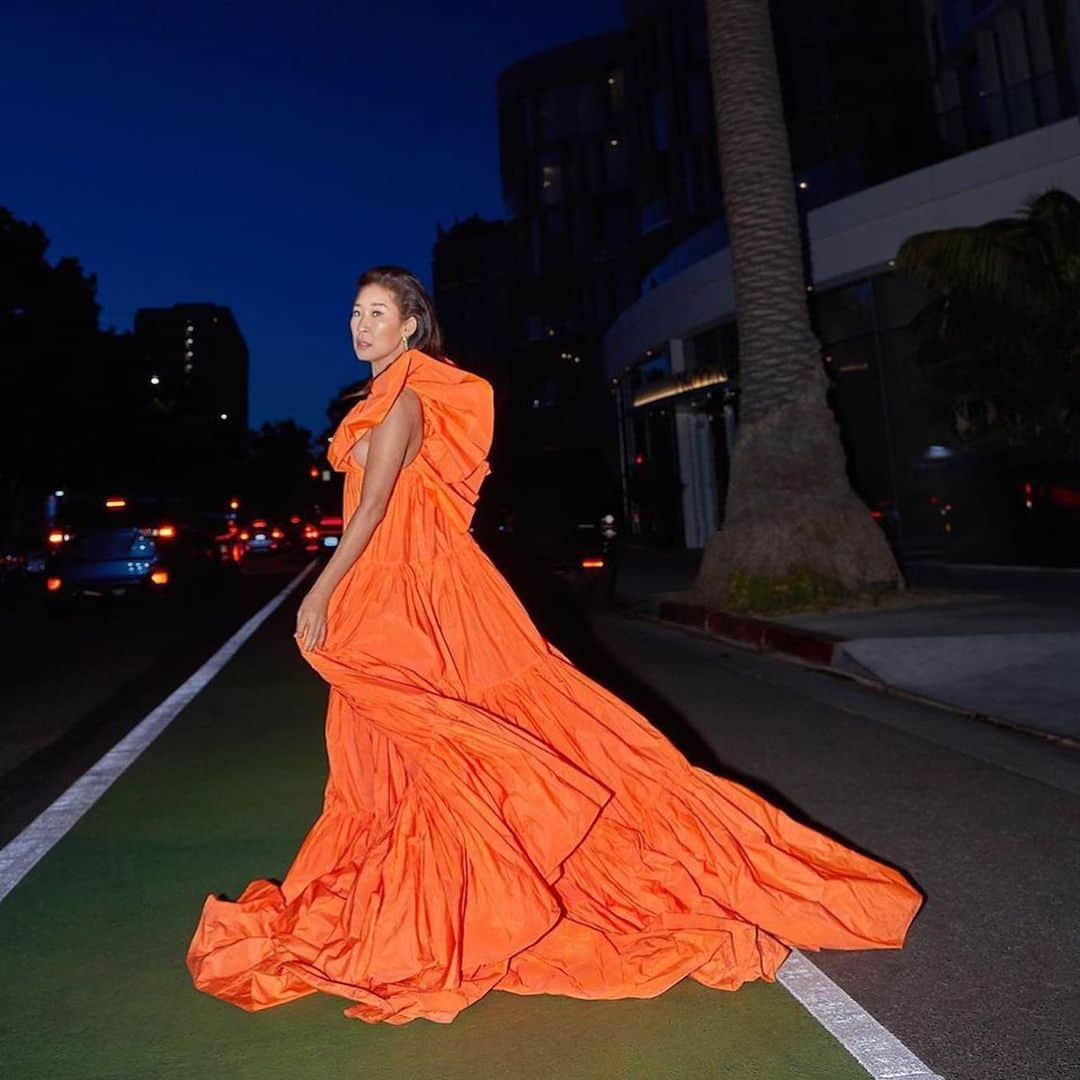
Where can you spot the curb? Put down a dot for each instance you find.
(814, 646)
(820, 649)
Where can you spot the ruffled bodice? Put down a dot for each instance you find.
(435, 495)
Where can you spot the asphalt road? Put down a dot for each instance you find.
(986, 822)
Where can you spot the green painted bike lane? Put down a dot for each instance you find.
(93, 938)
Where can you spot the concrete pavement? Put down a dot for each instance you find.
(1000, 643)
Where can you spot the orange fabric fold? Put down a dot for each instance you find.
(493, 818)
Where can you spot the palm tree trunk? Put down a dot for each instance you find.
(790, 507)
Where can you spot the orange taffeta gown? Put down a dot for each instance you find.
(494, 819)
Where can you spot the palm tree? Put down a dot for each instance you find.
(1002, 335)
(792, 524)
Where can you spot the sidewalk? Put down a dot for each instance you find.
(1002, 643)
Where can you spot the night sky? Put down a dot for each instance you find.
(260, 155)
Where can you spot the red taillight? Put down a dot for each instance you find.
(53, 583)
(310, 532)
(57, 537)
(159, 577)
(277, 534)
(592, 564)
(245, 536)
(259, 523)
(167, 531)
(876, 515)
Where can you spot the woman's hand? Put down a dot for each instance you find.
(311, 620)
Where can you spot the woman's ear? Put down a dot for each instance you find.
(410, 326)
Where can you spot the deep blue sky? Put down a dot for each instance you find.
(260, 155)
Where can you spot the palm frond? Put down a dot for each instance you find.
(1000, 261)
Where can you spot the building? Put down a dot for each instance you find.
(1001, 69)
(673, 357)
(564, 132)
(195, 361)
(474, 271)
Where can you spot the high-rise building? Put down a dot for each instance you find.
(196, 361)
(891, 136)
(1001, 68)
(564, 133)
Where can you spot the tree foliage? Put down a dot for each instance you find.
(1001, 340)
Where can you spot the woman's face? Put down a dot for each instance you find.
(376, 325)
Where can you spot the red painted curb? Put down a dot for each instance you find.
(812, 645)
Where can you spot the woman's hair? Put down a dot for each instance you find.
(412, 299)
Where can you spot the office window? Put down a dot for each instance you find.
(551, 185)
(615, 90)
(660, 132)
(591, 111)
(618, 228)
(699, 94)
(558, 112)
(616, 163)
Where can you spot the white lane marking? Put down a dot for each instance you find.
(23, 853)
(874, 1047)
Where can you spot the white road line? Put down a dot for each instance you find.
(874, 1047)
(23, 853)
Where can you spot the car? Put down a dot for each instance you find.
(324, 535)
(113, 545)
(261, 536)
(560, 513)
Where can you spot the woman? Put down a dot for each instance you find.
(493, 819)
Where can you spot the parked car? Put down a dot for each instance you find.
(114, 545)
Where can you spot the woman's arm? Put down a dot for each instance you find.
(387, 448)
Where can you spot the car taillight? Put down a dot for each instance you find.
(310, 532)
(159, 577)
(245, 536)
(53, 583)
(277, 534)
(161, 532)
(592, 564)
(58, 537)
